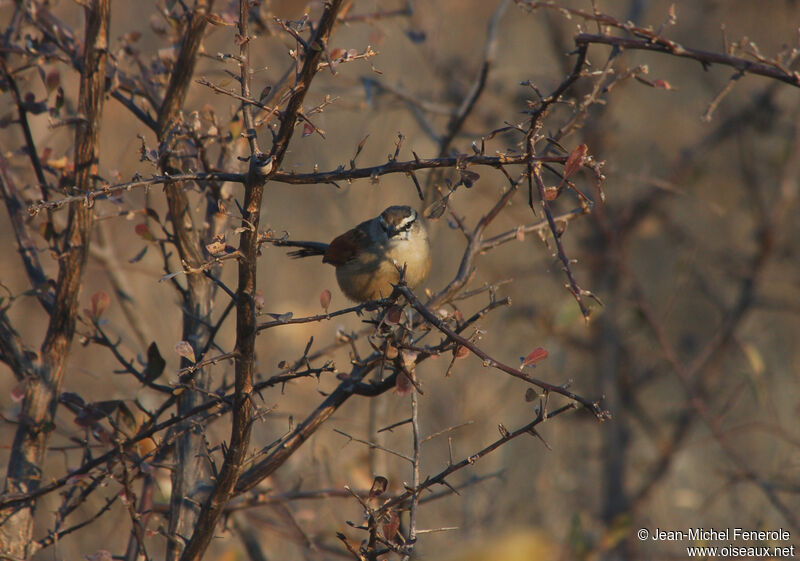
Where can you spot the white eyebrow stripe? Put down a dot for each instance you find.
(406, 221)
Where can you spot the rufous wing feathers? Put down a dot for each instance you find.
(344, 248)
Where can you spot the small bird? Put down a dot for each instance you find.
(370, 257)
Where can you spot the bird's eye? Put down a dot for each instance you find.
(405, 223)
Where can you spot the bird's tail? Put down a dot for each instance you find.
(307, 249)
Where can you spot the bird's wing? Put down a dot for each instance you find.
(344, 248)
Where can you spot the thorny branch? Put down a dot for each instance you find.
(369, 376)
(46, 373)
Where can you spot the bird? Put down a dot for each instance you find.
(370, 257)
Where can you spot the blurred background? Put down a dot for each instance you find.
(694, 255)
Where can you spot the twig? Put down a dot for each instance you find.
(319, 317)
(576, 291)
(27, 248)
(431, 318)
(89, 197)
(440, 478)
(315, 178)
(412, 519)
(706, 58)
(39, 405)
(375, 446)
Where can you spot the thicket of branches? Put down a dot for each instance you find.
(154, 459)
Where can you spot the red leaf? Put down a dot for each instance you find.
(575, 160)
(52, 80)
(391, 526)
(393, 315)
(403, 385)
(100, 302)
(537, 355)
(663, 84)
(144, 231)
(325, 299)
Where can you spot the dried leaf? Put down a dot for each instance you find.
(100, 302)
(217, 245)
(436, 210)
(52, 80)
(468, 178)
(575, 160)
(155, 363)
(379, 485)
(126, 416)
(361, 145)
(184, 349)
(391, 526)
(409, 359)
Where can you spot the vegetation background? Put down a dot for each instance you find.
(695, 254)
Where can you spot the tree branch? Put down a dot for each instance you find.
(41, 397)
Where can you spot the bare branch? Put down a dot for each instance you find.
(41, 396)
